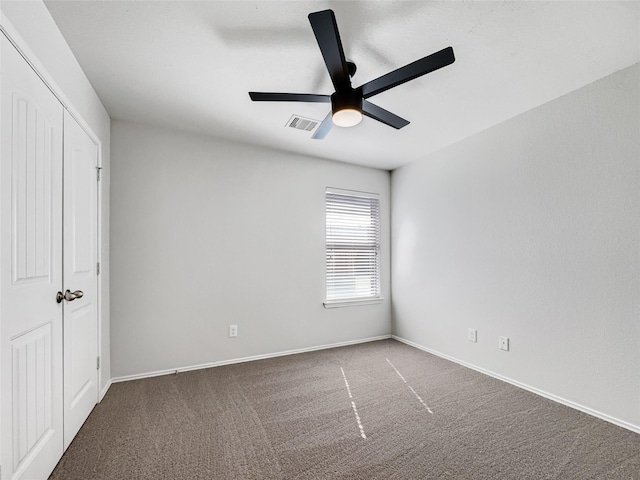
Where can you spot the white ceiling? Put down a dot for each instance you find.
(189, 65)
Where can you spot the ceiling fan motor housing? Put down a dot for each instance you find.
(346, 99)
(346, 107)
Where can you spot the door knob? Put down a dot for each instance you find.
(68, 295)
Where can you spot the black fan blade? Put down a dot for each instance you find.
(323, 128)
(325, 29)
(416, 69)
(288, 97)
(382, 115)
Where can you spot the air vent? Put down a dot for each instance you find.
(301, 123)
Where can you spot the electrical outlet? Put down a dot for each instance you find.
(233, 330)
(472, 335)
(503, 343)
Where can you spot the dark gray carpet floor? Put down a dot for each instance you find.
(293, 418)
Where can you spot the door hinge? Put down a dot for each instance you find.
(98, 268)
(97, 363)
(98, 170)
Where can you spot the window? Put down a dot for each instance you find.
(352, 248)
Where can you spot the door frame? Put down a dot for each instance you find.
(25, 51)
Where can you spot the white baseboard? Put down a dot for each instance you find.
(157, 373)
(542, 393)
(104, 390)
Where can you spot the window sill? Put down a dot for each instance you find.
(352, 302)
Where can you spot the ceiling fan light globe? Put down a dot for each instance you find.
(347, 117)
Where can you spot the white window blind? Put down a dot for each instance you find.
(352, 246)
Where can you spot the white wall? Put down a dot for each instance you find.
(38, 36)
(531, 230)
(207, 233)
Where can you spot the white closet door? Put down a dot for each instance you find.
(80, 256)
(31, 271)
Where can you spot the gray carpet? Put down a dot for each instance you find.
(292, 418)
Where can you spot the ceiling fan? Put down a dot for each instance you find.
(348, 104)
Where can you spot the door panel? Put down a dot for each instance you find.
(31, 271)
(32, 146)
(80, 256)
(32, 409)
